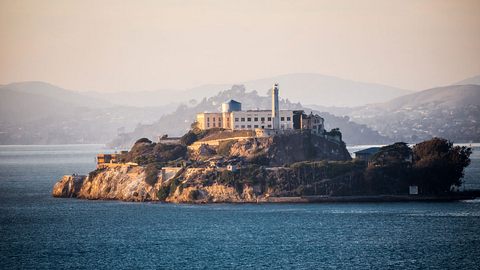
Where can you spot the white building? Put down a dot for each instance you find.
(232, 117)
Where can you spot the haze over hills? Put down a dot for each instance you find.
(308, 88)
(178, 122)
(471, 80)
(40, 113)
(56, 93)
(451, 112)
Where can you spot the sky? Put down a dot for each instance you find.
(147, 45)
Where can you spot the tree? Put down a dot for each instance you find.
(189, 138)
(438, 165)
(389, 170)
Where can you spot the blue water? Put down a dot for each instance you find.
(38, 231)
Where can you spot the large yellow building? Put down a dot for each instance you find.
(232, 117)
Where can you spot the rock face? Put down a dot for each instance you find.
(284, 149)
(118, 183)
(128, 184)
(249, 184)
(68, 186)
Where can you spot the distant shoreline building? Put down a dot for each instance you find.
(266, 122)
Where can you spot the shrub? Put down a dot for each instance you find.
(193, 194)
(163, 193)
(151, 174)
(259, 159)
(94, 173)
(143, 140)
(189, 138)
(224, 147)
(169, 152)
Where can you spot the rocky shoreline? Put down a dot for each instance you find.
(290, 168)
(132, 187)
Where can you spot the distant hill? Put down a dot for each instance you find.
(452, 112)
(178, 122)
(311, 88)
(307, 88)
(57, 93)
(472, 80)
(454, 96)
(40, 113)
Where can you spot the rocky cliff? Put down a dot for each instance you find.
(251, 183)
(124, 183)
(286, 149)
(273, 151)
(129, 184)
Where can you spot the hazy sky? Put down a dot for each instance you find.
(145, 45)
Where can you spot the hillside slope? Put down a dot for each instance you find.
(471, 80)
(40, 113)
(451, 112)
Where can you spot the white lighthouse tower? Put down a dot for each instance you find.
(275, 108)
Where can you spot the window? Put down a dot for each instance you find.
(219, 119)
(243, 126)
(255, 119)
(243, 119)
(269, 118)
(262, 119)
(282, 118)
(249, 119)
(213, 118)
(208, 124)
(236, 126)
(269, 126)
(288, 118)
(236, 119)
(249, 126)
(208, 119)
(255, 126)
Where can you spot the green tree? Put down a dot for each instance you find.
(439, 165)
(389, 171)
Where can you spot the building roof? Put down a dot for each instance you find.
(232, 101)
(371, 151)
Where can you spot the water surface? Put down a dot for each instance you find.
(38, 231)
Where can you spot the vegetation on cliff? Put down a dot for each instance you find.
(145, 152)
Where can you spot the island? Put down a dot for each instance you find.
(260, 156)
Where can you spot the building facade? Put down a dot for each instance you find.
(234, 118)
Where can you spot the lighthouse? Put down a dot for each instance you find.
(275, 108)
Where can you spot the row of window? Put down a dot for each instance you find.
(262, 119)
(213, 125)
(250, 126)
(213, 118)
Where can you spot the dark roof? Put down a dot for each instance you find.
(371, 150)
(232, 101)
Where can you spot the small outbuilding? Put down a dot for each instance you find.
(366, 154)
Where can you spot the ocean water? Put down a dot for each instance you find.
(38, 231)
